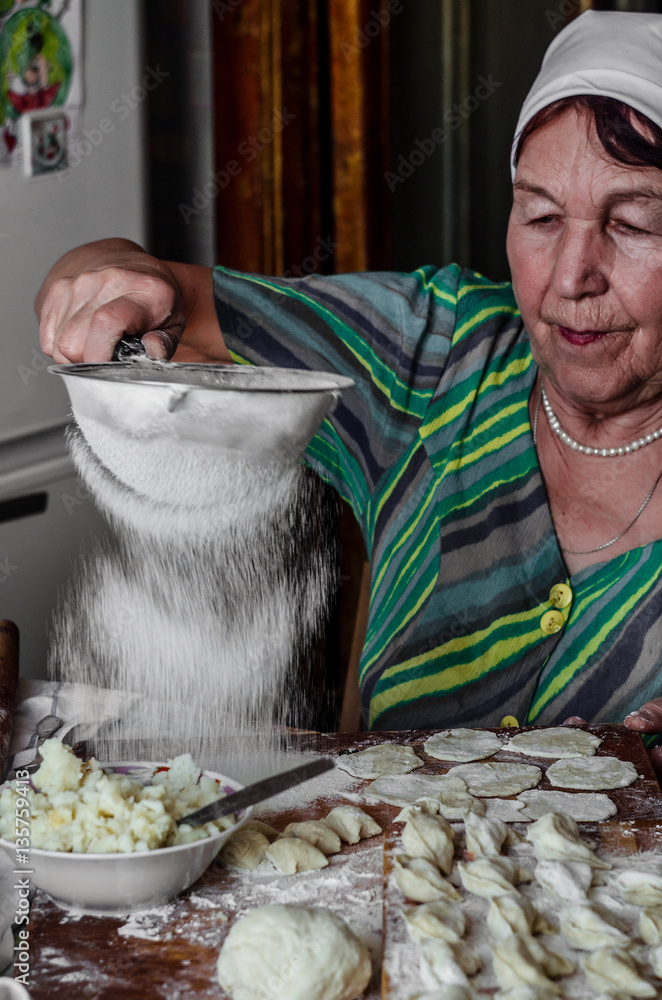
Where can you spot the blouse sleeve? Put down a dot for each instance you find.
(389, 332)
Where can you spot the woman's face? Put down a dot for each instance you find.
(585, 251)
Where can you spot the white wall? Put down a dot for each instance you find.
(103, 195)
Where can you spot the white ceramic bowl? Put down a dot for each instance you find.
(123, 883)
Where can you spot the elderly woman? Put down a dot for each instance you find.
(502, 447)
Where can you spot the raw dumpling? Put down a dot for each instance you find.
(564, 881)
(387, 758)
(450, 963)
(524, 993)
(305, 953)
(422, 881)
(557, 838)
(640, 888)
(584, 928)
(515, 914)
(462, 744)
(317, 832)
(650, 926)
(256, 824)
(521, 960)
(556, 742)
(612, 970)
(484, 837)
(586, 807)
(404, 790)
(352, 824)
(593, 774)
(655, 959)
(493, 778)
(291, 855)
(438, 920)
(244, 849)
(430, 837)
(489, 877)
(448, 993)
(449, 803)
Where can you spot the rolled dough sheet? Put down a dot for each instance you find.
(507, 810)
(557, 741)
(404, 789)
(587, 807)
(463, 744)
(388, 758)
(494, 778)
(592, 774)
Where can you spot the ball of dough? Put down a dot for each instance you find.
(295, 952)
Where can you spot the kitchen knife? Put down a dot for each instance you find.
(258, 792)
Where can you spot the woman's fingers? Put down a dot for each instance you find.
(574, 720)
(648, 718)
(82, 318)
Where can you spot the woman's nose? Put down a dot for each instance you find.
(580, 265)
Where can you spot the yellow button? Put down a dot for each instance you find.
(560, 595)
(509, 722)
(551, 622)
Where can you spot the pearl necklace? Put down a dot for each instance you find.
(624, 449)
(605, 452)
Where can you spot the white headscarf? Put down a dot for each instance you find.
(606, 54)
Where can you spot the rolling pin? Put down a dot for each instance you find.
(8, 684)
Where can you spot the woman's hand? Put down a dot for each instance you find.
(647, 719)
(100, 291)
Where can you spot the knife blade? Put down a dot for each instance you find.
(258, 792)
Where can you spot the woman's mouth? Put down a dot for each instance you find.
(580, 337)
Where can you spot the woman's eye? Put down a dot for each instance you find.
(628, 227)
(543, 220)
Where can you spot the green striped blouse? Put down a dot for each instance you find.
(433, 450)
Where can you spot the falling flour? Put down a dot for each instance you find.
(198, 610)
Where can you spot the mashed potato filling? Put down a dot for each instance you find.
(77, 806)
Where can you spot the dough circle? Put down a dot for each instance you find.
(403, 790)
(593, 774)
(557, 742)
(587, 807)
(463, 744)
(388, 758)
(498, 779)
(293, 951)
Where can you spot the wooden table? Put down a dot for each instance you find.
(171, 953)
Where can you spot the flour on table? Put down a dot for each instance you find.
(404, 789)
(388, 758)
(498, 779)
(592, 773)
(463, 745)
(557, 742)
(586, 807)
